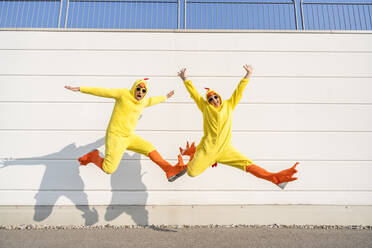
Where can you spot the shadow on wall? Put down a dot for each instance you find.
(120, 181)
(62, 178)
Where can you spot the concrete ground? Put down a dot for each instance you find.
(187, 237)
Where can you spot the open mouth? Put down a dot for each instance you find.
(139, 96)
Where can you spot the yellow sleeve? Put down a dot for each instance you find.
(200, 102)
(238, 93)
(154, 100)
(103, 92)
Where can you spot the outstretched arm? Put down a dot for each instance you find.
(10, 162)
(191, 89)
(238, 93)
(103, 92)
(157, 99)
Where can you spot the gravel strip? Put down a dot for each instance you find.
(108, 226)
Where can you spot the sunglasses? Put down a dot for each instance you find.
(210, 99)
(139, 89)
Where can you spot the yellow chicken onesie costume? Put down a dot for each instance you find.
(120, 132)
(216, 147)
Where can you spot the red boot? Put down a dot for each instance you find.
(172, 172)
(280, 179)
(92, 157)
(283, 177)
(176, 171)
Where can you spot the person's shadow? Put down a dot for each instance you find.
(62, 177)
(128, 177)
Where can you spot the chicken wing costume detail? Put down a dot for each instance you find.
(120, 134)
(216, 146)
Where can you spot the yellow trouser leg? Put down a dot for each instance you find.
(114, 149)
(231, 156)
(200, 162)
(140, 145)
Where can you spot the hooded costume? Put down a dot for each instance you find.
(120, 132)
(215, 146)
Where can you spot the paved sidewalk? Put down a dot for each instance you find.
(187, 237)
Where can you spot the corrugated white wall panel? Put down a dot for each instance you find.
(200, 63)
(247, 117)
(144, 175)
(175, 198)
(266, 145)
(203, 41)
(309, 100)
(260, 90)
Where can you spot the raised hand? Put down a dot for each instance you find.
(182, 74)
(170, 94)
(72, 88)
(248, 69)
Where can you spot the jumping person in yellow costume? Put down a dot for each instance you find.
(120, 132)
(216, 146)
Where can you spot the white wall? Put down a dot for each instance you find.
(310, 100)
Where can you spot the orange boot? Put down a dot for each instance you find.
(285, 176)
(172, 172)
(92, 157)
(280, 179)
